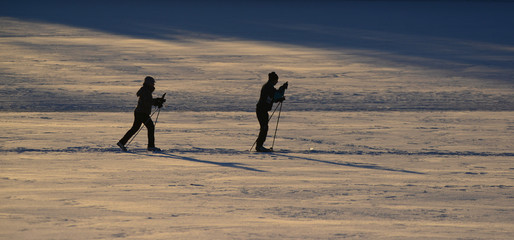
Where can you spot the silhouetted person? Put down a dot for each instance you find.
(142, 114)
(269, 95)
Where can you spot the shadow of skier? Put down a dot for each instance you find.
(222, 164)
(349, 164)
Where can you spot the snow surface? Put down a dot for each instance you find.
(398, 122)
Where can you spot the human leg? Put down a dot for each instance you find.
(150, 127)
(263, 118)
(135, 127)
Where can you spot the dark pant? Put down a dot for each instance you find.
(141, 118)
(263, 117)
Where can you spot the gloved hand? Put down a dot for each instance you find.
(159, 102)
(283, 87)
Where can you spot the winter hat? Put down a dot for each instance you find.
(149, 80)
(272, 75)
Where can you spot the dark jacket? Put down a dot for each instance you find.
(146, 101)
(267, 97)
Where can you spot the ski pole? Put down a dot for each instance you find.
(273, 112)
(276, 128)
(268, 121)
(157, 118)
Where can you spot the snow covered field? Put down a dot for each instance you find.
(398, 122)
(391, 175)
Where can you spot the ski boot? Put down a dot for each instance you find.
(263, 149)
(153, 149)
(123, 148)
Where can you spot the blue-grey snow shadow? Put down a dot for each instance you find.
(348, 164)
(463, 39)
(221, 164)
(415, 32)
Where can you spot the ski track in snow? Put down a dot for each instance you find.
(87, 149)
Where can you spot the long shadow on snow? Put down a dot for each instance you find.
(349, 164)
(380, 151)
(222, 164)
(161, 154)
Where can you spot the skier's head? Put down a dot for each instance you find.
(149, 81)
(273, 77)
